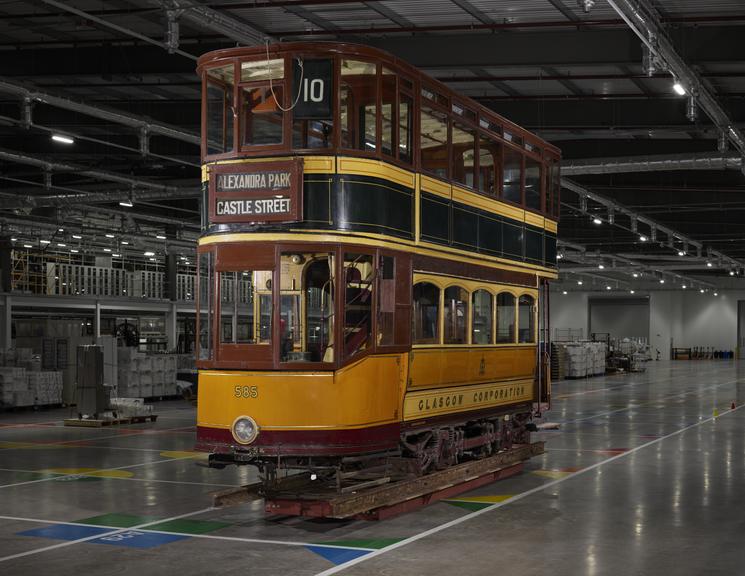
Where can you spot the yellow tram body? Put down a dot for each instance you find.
(373, 380)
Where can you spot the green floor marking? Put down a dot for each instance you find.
(189, 526)
(376, 544)
(117, 520)
(25, 476)
(470, 506)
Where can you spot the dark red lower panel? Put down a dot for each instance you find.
(303, 443)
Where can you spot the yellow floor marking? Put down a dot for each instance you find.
(488, 499)
(91, 472)
(554, 474)
(184, 454)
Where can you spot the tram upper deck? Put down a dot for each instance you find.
(321, 137)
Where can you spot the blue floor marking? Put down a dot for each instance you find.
(127, 538)
(337, 555)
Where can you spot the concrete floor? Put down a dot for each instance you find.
(640, 479)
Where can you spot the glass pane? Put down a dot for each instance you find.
(532, 184)
(489, 161)
(306, 307)
(505, 318)
(434, 142)
(426, 313)
(464, 152)
(405, 128)
(262, 117)
(312, 133)
(556, 189)
(262, 70)
(219, 118)
(526, 324)
(386, 300)
(456, 315)
(512, 176)
(359, 105)
(482, 317)
(358, 299)
(388, 111)
(205, 307)
(240, 292)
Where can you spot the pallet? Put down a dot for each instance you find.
(98, 423)
(292, 496)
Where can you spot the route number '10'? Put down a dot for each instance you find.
(313, 89)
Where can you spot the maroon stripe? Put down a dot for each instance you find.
(301, 442)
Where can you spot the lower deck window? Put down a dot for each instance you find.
(456, 315)
(526, 319)
(306, 323)
(246, 307)
(358, 299)
(426, 300)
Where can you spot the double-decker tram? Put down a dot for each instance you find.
(373, 266)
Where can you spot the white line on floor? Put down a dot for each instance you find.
(96, 475)
(205, 536)
(97, 471)
(515, 498)
(96, 536)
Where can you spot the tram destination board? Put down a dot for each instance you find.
(256, 191)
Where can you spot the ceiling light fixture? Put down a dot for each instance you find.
(63, 139)
(597, 220)
(160, 237)
(77, 236)
(709, 264)
(678, 88)
(126, 203)
(608, 288)
(579, 282)
(601, 266)
(643, 238)
(148, 253)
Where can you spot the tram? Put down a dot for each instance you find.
(373, 265)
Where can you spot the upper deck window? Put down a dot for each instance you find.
(532, 184)
(219, 109)
(512, 175)
(434, 141)
(490, 162)
(464, 155)
(262, 118)
(358, 102)
(263, 70)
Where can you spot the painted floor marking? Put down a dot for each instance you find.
(130, 466)
(520, 496)
(147, 527)
(53, 475)
(96, 536)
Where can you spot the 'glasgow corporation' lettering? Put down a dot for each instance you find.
(254, 181)
(258, 207)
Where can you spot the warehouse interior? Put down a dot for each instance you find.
(100, 214)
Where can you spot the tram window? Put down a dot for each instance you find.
(526, 319)
(532, 184)
(489, 161)
(456, 315)
(426, 313)
(434, 142)
(262, 70)
(240, 294)
(312, 133)
(555, 186)
(505, 318)
(405, 128)
(386, 300)
(358, 299)
(481, 332)
(262, 116)
(388, 112)
(358, 105)
(205, 306)
(512, 175)
(306, 317)
(219, 112)
(464, 155)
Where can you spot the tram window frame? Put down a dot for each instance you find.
(488, 317)
(536, 163)
(512, 149)
(230, 283)
(461, 126)
(229, 133)
(436, 338)
(406, 94)
(511, 327)
(455, 328)
(355, 286)
(204, 298)
(496, 168)
(357, 143)
(385, 312)
(530, 307)
(387, 74)
(444, 120)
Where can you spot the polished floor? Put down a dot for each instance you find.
(646, 476)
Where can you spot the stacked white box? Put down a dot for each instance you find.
(13, 386)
